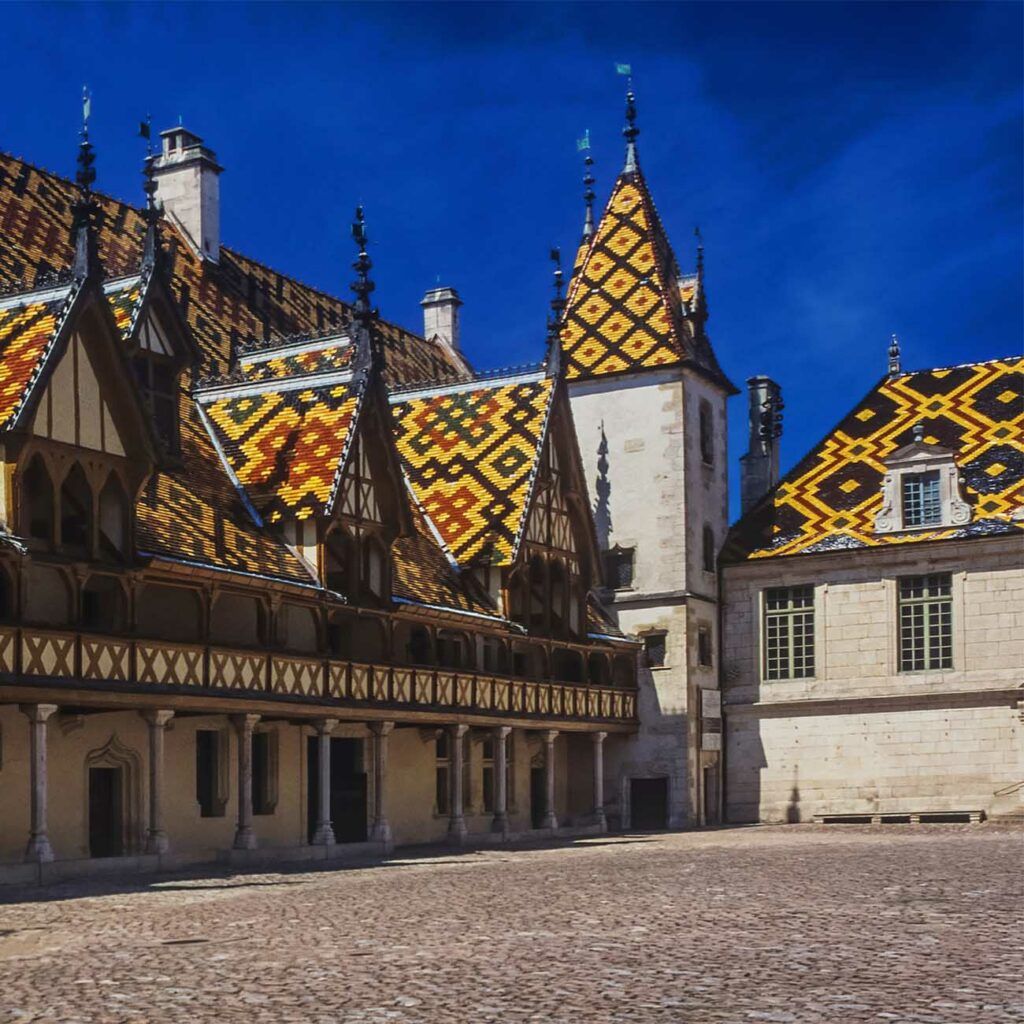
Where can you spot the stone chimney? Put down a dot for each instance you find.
(759, 468)
(188, 184)
(441, 315)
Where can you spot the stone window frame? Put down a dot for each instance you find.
(622, 552)
(959, 632)
(271, 780)
(949, 600)
(817, 608)
(705, 645)
(916, 459)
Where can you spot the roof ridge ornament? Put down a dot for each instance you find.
(152, 249)
(362, 313)
(583, 145)
(894, 357)
(554, 362)
(86, 262)
(631, 132)
(700, 305)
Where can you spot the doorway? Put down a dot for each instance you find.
(106, 819)
(648, 803)
(538, 797)
(711, 795)
(348, 789)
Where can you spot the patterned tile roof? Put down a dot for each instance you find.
(623, 309)
(327, 358)
(286, 447)
(471, 454)
(422, 574)
(28, 331)
(125, 298)
(196, 514)
(829, 500)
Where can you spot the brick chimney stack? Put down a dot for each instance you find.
(188, 185)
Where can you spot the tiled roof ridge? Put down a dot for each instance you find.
(256, 346)
(44, 282)
(481, 376)
(531, 484)
(954, 366)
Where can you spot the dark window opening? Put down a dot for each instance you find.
(103, 605)
(707, 439)
(158, 383)
(708, 559)
(340, 562)
(451, 651)
(442, 773)
(567, 666)
(599, 670)
(618, 567)
(37, 502)
(76, 512)
(654, 649)
(419, 648)
(704, 652)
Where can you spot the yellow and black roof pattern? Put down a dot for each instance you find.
(829, 500)
(625, 309)
(471, 454)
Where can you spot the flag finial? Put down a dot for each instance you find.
(894, 356)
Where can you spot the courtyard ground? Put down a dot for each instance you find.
(771, 924)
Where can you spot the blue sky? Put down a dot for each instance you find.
(856, 170)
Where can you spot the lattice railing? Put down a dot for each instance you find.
(35, 655)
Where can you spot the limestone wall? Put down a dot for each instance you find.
(861, 736)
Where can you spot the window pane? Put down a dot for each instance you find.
(921, 504)
(789, 632)
(925, 622)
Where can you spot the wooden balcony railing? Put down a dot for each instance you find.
(30, 654)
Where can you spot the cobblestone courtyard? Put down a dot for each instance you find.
(782, 924)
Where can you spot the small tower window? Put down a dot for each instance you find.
(707, 437)
(654, 649)
(618, 567)
(708, 553)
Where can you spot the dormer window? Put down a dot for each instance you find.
(921, 489)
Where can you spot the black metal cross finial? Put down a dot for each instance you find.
(894, 356)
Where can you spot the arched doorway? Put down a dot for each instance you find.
(112, 781)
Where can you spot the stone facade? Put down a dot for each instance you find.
(654, 494)
(861, 737)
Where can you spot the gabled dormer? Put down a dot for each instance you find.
(921, 489)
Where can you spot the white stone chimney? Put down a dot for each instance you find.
(759, 468)
(188, 184)
(441, 316)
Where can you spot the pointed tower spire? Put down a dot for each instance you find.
(631, 132)
(84, 209)
(894, 357)
(362, 287)
(700, 301)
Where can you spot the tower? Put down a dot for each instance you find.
(649, 401)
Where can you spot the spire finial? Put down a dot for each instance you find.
(152, 248)
(362, 287)
(894, 357)
(700, 304)
(84, 209)
(583, 145)
(630, 132)
(554, 359)
(919, 432)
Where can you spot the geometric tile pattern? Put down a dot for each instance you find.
(124, 303)
(26, 334)
(829, 500)
(286, 447)
(471, 457)
(623, 310)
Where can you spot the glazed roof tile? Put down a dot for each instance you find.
(471, 453)
(829, 500)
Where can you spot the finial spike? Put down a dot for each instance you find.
(84, 209)
(630, 132)
(583, 145)
(919, 432)
(894, 357)
(362, 287)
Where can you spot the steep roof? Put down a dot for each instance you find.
(194, 513)
(829, 500)
(626, 309)
(471, 453)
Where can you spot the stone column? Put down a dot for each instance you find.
(245, 838)
(156, 837)
(38, 850)
(500, 823)
(324, 834)
(381, 831)
(456, 822)
(550, 818)
(599, 818)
